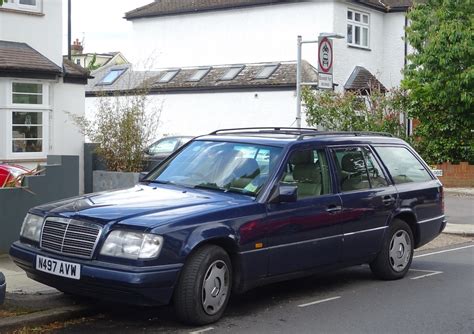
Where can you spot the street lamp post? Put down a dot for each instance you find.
(300, 43)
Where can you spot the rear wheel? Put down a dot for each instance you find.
(394, 260)
(204, 286)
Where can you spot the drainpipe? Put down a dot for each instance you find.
(69, 29)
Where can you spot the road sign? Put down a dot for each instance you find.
(324, 81)
(325, 62)
(325, 55)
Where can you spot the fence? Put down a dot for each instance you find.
(59, 180)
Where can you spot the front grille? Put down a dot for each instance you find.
(70, 237)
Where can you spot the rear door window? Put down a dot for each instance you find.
(402, 165)
(351, 168)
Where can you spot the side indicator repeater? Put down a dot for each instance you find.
(258, 245)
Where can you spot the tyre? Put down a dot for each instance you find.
(204, 286)
(394, 260)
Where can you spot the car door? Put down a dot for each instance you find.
(368, 200)
(306, 233)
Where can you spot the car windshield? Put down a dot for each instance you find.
(220, 166)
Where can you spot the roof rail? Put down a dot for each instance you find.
(267, 130)
(345, 133)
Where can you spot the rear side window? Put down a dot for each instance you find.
(351, 168)
(402, 165)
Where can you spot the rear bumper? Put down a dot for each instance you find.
(3, 288)
(430, 229)
(119, 283)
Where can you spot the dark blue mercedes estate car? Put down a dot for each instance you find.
(234, 210)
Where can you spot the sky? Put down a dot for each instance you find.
(100, 25)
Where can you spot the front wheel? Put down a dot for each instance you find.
(204, 286)
(394, 260)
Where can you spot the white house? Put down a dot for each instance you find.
(95, 59)
(202, 35)
(38, 90)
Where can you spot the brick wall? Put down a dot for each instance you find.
(457, 175)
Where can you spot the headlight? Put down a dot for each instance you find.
(31, 228)
(132, 245)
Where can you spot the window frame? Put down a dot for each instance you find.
(203, 71)
(331, 176)
(16, 5)
(102, 83)
(361, 25)
(44, 139)
(45, 94)
(259, 75)
(413, 153)
(238, 68)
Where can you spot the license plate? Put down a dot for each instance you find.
(58, 268)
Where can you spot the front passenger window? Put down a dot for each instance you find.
(309, 171)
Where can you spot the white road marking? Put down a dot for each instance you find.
(443, 251)
(430, 273)
(202, 330)
(319, 301)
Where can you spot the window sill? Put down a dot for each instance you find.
(358, 47)
(21, 11)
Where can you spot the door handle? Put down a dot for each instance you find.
(333, 208)
(388, 200)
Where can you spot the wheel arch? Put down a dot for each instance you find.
(409, 218)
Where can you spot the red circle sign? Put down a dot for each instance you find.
(325, 55)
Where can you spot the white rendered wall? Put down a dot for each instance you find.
(394, 49)
(42, 32)
(252, 34)
(196, 114)
(268, 33)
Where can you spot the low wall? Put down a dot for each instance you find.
(59, 180)
(105, 180)
(457, 175)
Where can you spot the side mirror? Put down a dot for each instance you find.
(284, 193)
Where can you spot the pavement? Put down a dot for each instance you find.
(48, 304)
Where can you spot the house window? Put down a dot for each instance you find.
(267, 71)
(27, 132)
(25, 5)
(168, 76)
(199, 74)
(27, 93)
(358, 26)
(232, 73)
(110, 77)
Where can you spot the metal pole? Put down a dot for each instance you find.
(298, 83)
(69, 29)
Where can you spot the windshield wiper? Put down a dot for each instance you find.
(210, 186)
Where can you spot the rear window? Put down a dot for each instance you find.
(402, 165)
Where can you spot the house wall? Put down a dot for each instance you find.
(201, 113)
(269, 34)
(42, 31)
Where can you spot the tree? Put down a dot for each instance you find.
(350, 111)
(440, 78)
(123, 127)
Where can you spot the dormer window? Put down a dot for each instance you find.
(111, 76)
(168, 76)
(199, 74)
(232, 72)
(267, 71)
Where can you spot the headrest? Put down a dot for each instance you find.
(308, 173)
(245, 167)
(353, 162)
(302, 157)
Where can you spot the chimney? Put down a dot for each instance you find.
(76, 47)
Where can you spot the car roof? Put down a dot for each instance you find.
(282, 137)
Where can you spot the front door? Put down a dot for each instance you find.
(305, 234)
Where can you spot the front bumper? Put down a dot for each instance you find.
(119, 283)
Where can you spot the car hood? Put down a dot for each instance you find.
(141, 200)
